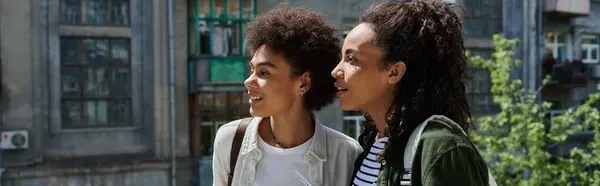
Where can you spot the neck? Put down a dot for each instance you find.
(290, 129)
(379, 118)
(378, 112)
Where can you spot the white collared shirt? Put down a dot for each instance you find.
(330, 157)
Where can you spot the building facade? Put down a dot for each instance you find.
(90, 82)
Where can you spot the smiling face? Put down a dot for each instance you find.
(362, 82)
(271, 86)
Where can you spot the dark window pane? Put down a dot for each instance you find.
(120, 50)
(119, 12)
(121, 82)
(69, 51)
(594, 54)
(70, 113)
(69, 11)
(106, 87)
(96, 82)
(70, 82)
(120, 111)
(248, 10)
(95, 50)
(96, 113)
(94, 12)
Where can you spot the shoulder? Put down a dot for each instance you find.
(438, 138)
(224, 136)
(446, 147)
(341, 140)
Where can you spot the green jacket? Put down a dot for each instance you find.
(444, 157)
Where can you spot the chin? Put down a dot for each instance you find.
(347, 106)
(257, 113)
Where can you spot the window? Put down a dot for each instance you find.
(94, 12)
(555, 45)
(590, 48)
(347, 25)
(483, 17)
(479, 84)
(216, 40)
(95, 67)
(218, 67)
(353, 123)
(96, 82)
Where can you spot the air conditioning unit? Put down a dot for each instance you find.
(13, 140)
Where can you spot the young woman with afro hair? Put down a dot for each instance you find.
(404, 65)
(284, 143)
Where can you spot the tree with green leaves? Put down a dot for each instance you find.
(515, 141)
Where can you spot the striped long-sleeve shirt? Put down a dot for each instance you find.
(367, 174)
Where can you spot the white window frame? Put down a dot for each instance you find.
(357, 120)
(555, 45)
(589, 47)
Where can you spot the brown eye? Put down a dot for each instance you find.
(351, 58)
(263, 74)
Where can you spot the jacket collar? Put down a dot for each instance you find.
(317, 148)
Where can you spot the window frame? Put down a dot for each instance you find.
(137, 138)
(110, 67)
(588, 48)
(555, 45)
(468, 19)
(59, 30)
(211, 101)
(473, 94)
(108, 15)
(203, 61)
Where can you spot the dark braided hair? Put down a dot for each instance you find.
(427, 36)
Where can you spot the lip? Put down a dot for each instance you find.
(339, 93)
(338, 85)
(254, 101)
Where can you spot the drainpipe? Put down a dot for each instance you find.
(1, 152)
(172, 94)
(3, 98)
(541, 44)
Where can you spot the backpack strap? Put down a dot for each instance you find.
(236, 144)
(415, 137)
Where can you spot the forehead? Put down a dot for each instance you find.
(361, 40)
(266, 54)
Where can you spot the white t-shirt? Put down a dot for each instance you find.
(282, 166)
(369, 170)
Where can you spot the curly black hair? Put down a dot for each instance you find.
(307, 43)
(427, 36)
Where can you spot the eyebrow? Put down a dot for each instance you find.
(264, 63)
(350, 51)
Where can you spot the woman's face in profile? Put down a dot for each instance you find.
(359, 77)
(271, 86)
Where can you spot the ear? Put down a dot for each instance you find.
(305, 83)
(396, 71)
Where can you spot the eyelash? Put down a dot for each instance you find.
(351, 58)
(261, 73)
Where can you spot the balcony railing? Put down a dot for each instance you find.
(567, 74)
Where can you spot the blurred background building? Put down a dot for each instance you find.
(90, 83)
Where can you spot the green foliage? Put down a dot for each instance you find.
(515, 140)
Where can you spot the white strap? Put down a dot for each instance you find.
(415, 137)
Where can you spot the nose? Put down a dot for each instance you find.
(250, 81)
(337, 72)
